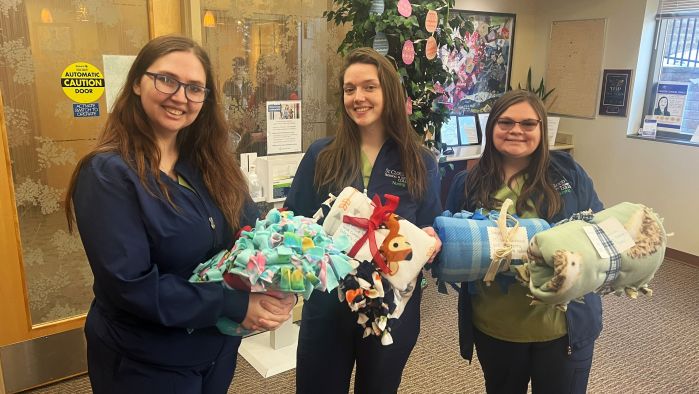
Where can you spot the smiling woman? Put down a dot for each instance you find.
(169, 109)
(551, 348)
(375, 150)
(164, 181)
(363, 98)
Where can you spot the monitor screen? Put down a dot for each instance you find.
(468, 133)
(449, 134)
(459, 131)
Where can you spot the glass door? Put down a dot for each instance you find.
(60, 62)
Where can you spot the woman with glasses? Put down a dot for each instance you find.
(375, 150)
(661, 108)
(516, 342)
(160, 194)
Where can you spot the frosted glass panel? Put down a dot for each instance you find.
(39, 40)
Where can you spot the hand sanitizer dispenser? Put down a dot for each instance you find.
(248, 165)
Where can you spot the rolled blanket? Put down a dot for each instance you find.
(616, 250)
(393, 252)
(283, 253)
(367, 223)
(471, 242)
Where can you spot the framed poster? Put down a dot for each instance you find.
(482, 66)
(615, 92)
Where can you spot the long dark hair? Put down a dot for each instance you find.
(206, 142)
(338, 164)
(488, 175)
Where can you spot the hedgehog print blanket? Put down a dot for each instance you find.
(616, 250)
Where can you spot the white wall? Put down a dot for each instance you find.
(660, 175)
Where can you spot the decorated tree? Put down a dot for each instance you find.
(415, 37)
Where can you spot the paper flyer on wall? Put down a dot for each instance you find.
(283, 126)
(669, 105)
(553, 122)
(116, 68)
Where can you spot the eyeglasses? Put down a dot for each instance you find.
(169, 85)
(526, 124)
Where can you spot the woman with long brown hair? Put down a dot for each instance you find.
(516, 342)
(160, 194)
(375, 150)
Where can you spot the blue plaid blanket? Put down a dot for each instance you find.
(466, 249)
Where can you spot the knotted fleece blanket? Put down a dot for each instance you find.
(476, 243)
(283, 253)
(397, 248)
(616, 250)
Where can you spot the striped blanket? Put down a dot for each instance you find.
(470, 242)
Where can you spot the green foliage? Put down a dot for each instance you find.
(419, 78)
(540, 91)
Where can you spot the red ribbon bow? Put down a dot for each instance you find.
(380, 215)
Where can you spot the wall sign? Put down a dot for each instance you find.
(615, 92)
(82, 82)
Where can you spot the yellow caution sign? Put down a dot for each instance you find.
(82, 82)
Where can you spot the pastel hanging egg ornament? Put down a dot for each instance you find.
(409, 106)
(380, 43)
(377, 7)
(431, 21)
(405, 8)
(408, 52)
(431, 48)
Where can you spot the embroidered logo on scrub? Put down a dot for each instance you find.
(397, 176)
(563, 187)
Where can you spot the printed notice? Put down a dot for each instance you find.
(519, 242)
(615, 231)
(116, 68)
(669, 105)
(82, 82)
(283, 126)
(468, 133)
(553, 122)
(86, 110)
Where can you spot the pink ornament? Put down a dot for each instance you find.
(409, 106)
(408, 52)
(431, 21)
(431, 48)
(405, 8)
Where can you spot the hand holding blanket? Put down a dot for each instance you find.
(284, 253)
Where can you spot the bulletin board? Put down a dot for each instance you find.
(575, 54)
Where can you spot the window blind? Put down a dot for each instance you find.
(668, 8)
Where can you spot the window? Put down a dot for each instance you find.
(673, 92)
(267, 51)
